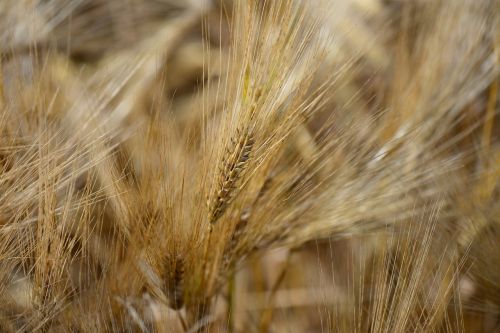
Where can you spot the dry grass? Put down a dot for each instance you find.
(249, 166)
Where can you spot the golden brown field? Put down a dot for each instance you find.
(249, 166)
